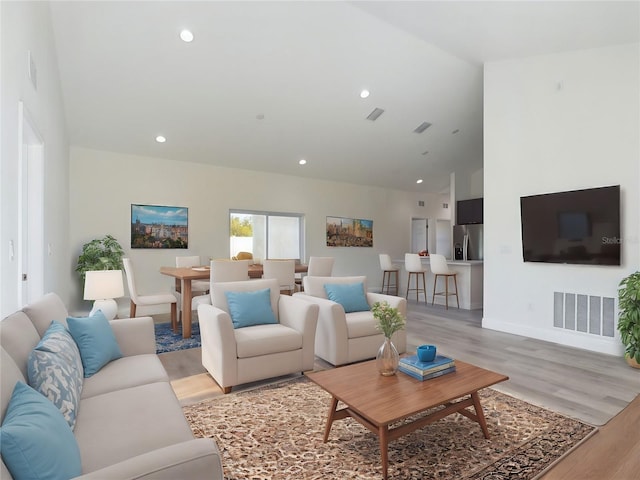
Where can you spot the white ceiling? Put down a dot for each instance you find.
(127, 77)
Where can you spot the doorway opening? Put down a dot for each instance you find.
(419, 235)
(30, 210)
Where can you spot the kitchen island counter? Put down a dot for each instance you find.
(469, 278)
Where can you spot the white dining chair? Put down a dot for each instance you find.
(229, 270)
(223, 270)
(198, 287)
(414, 268)
(282, 270)
(320, 266)
(440, 268)
(148, 300)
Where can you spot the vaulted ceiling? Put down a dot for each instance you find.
(266, 84)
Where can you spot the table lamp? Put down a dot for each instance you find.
(103, 286)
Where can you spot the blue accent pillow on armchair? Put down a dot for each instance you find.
(350, 295)
(96, 341)
(250, 308)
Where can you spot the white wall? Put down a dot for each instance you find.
(476, 184)
(104, 185)
(554, 123)
(26, 26)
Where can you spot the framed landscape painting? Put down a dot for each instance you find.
(154, 226)
(349, 232)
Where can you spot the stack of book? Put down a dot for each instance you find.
(440, 365)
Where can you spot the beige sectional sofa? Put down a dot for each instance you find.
(129, 422)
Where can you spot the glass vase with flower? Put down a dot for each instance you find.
(389, 321)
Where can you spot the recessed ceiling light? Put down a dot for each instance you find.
(186, 36)
(160, 139)
(302, 162)
(364, 93)
(419, 180)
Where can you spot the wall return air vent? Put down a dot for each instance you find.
(373, 116)
(422, 127)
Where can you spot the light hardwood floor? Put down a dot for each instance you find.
(589, 386)
(613, 453)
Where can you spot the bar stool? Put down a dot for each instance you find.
(388, 269)
(439, 268)
(413, 266)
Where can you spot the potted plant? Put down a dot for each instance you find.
(100, 254)
(629, 317)
(389, 321)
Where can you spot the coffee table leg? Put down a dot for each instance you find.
(330, 417)
(480, 414)
(383, 433)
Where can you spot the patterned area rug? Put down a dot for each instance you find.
(275, 432)
(168, 341)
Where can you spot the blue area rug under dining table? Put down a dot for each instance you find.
(169, 341)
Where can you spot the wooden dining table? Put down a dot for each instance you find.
(185, 275)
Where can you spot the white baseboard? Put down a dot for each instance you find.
(585, 341)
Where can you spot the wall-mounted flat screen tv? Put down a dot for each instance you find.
(578, 227)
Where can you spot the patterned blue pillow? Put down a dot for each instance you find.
(55, 370)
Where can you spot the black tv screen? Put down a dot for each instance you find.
(578, 227)
(469, 212)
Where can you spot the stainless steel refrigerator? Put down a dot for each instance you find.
(468, 243)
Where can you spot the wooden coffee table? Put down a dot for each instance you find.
(377, 402)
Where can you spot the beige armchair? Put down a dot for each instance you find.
(342, 337)
(234, 356)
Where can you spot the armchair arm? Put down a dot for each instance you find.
(197, 458)
(219, 353)
(135, 336)
(331, 334)
(396, 302)
(303, 317)
(400, 337)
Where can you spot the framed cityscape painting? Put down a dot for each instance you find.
(154, 226)
(349, 232)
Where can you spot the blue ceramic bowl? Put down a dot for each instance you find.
(426, 353)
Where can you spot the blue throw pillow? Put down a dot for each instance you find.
(96, 341)
(350, 295)
(55, 370)
(36, 440)
(250, 308)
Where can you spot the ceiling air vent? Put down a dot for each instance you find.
(422, 127)
(373, 116)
